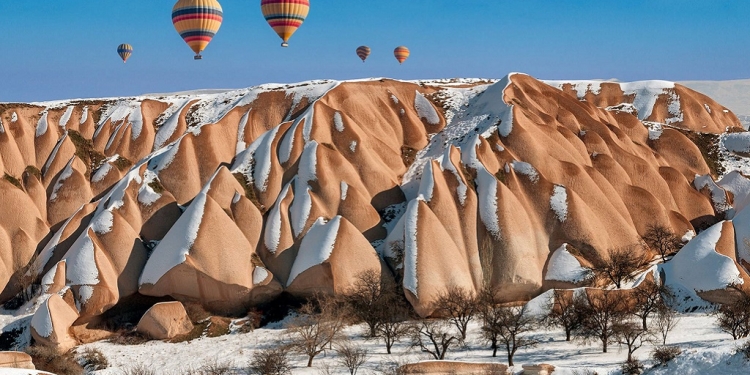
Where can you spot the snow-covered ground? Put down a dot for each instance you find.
(706, 350)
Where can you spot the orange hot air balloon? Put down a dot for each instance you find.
(124, 50)
(285, 16)
(402, 53)
(197, 21)
(363, 52)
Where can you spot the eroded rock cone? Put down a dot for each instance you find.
(165, 320)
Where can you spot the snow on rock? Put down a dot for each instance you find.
(654, 130)
(425, 109)
(487, 193)
(64, 175)
(344, 190)
(42, 321)
(563, 266)
(708, 109)
(272, 233)
(559, 202)
(581, 87)
(174, 248)
(169, 126)
(674, 109)
(14, 117)
(353, 146)
(739, 186)
(427, 186)
(308, 162)
(42, 125)
(410, 220)
(260, 275)
(394, 98)
(121, 111)
(316, 247)
(689, 235)
(81, 254)
(718, 195)
(470, 112)
(103, 170)
(84, 115)
(66, 116)
(699, 267)
(338, 122)
(447, 165)
(146, 194)
(526, 169)
(102, 223)
(255, 162)
(299, 212)
(241, 145)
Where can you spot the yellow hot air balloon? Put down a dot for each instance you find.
(197, 21)
(124, 50)
(285, 16)
(402, 53)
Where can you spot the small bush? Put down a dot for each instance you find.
(138, 370)
(744, 349)
(93, 360)
(632, 367)
(14, 181)
(47, 359)
(662, 355)
(124, 337)
(215, 368)
(272, 361)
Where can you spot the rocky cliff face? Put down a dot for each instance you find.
(231, 198)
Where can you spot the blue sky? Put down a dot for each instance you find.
(67, 49)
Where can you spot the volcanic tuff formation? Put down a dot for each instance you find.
(230, 198)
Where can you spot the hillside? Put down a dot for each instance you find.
(234, 198)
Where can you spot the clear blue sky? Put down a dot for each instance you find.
(53, 49)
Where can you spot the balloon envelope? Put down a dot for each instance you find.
(197, 21)
(285, 16)
(402, 53)
(124, 50)
(363, 52)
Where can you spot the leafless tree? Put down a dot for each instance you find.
(459, 306)
(632, 335)
(734, 317)
(648, 298)
(433, 337)
(352, 357)
(316, 328)
(563, 313)
(620, 266)
(663, 240)
(507, 326)
(370, 298)
(601, 309)
(394, 326)
(666, 320)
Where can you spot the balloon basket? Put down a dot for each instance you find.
(198, 57)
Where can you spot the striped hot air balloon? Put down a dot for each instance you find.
(363, 52)
(197, 21)
(402, 53)
(285, 16)
(124, 50)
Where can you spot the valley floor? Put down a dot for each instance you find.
(706, 350)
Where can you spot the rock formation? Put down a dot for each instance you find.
(229, 199)
(165, 320)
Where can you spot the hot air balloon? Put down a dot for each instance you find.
(197, 21)
(124, 50)
(363, 52)
(285, 16)
(401, 53)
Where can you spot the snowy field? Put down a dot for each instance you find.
(706, 350)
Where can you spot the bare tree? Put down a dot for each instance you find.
(26, 280)
(648, 298)
(370, 298)
(620, 266)
(393, 326)
(734, 317)
(352, 357)
(601, 309)
(459, 306)
(563, 313)
(433, 337)
(508, 326)
(663, 240)
(271, 361)
(315, 329)
(632, 335)
(666, 320)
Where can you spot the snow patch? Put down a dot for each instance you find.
(338, 122)
(14, 117)
(344, 190)
(102, 223)
(260, 275)
(487, 193)
(316, 247)
(718, 195)
(255, 162)
(272, 235)
(655, 130)
(559, 202)
(146, 194)
(66, 116)
(64, 175)
(353, 146)
(410, 221)
(526, 169)
(41, 125)
(563, 266)
(84, 115)
(425, 109)
(241, 145)
(42, 320)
